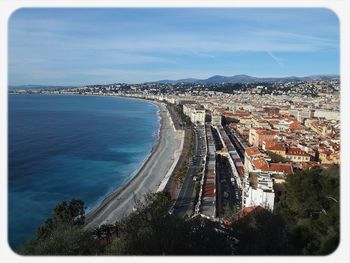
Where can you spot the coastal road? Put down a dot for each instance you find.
(147, 179)
(184, 204)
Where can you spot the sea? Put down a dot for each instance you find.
(62, 147)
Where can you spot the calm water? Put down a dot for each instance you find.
(64, 147)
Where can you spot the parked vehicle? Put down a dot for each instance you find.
(225, 194)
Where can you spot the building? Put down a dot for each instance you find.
(297, 155)
(271, 146)
(243, 214)
(198, 116)
(259, 191)
(249, 154)
(327, 114)
(195, 113)
(216, 119)
(281, 168)
(258, 135)
(260, 164)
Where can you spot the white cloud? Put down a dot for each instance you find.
(276, 59)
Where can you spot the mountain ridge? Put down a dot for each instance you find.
(242, 78)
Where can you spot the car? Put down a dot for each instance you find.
(225, 194)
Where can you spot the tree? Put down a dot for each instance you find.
(63, 233)
(310, 210)
(305, 221)
(276, 158)
(260, 233)
(71, 213)
(151, 230)
(63, 240)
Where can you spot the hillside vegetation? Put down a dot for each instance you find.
(305, 221)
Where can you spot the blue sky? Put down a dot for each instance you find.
(88, 46)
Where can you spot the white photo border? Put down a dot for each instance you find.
(340, 7)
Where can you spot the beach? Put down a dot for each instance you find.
(152, 173)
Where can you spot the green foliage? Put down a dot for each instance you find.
(310, 210)
(63, 240)
(105, 233)
(306, 221)
(182, 170)
(62, 234)
(260, 233)
(276, 158)
(152, 231)
(71, 213)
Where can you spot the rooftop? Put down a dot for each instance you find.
(251, 151)
(296, 151)
(281, 167)
(261, 164)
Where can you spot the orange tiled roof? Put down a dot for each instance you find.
(246, 116)
(281, 167)
(259, 129)
(267, 132)
(261, 164)
(327, 152)
(229, 114)
(275, 148)
(243, 213)
(251, 151)
(269, 143)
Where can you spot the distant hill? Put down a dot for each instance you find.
(30, 87)
(247, 79)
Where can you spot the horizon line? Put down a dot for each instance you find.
(184, 78)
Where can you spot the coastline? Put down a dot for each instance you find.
(131, 177)
(134, 173)
(146, 178)
(150, 175)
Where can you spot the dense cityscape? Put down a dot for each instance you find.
(248, 137)
(175, 131)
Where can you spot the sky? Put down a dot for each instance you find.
(100, 46)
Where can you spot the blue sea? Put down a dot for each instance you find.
(63, 147)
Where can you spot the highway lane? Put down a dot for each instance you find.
(184, 204)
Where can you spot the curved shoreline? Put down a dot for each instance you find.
(146, 178)
(132, 175)
(149, 175)
(114, 194)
